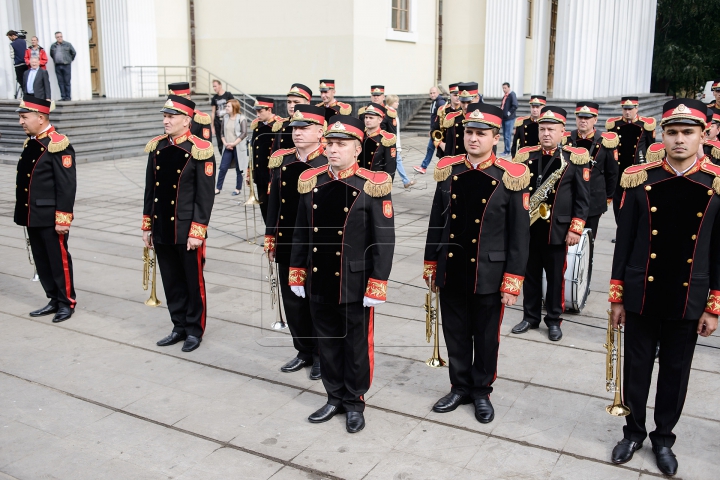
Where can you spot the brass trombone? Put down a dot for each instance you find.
(432, 315)
(149, 263)
(252, 199)
(280, 323)
(613, 369)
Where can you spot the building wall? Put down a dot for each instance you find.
(10, 18)
(463, 49)
(172, 30)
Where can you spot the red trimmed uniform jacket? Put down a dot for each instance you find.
(46, 181)
(344, 236)
(379, 153)
(634, 138)
(479, 231)
(667, 253)
(604, 167)
(179, 188)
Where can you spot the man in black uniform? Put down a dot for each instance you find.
(711, 146)
(378, 148)
(44, 198)
(526, 128)
(448, 107)
(333, 107)
(389, 121)
(665, 284)
(476, 253)
(559, 178)
(262, 144)
(635, 135)
(344, 240)
(287, 164)
(299, 94)
(200, 124)
(453, 122)
(179, 196)
(715, 103)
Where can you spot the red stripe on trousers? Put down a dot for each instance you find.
(66, 270)
(371, 343)
(201, 282)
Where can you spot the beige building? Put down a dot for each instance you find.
(562, 48)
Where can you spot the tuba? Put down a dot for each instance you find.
(150, 263)
(613, 369)
(432, 315)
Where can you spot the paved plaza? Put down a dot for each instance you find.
(94, 398)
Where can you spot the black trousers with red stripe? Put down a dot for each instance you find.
(54, 265)
(297, 313)
(184, 283)
(550, 258)
(471, 326)
(346, 348)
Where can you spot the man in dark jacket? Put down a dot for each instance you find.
(509, 106)
(63, 54)
(437, 102)
(18, 46)
(36, 81)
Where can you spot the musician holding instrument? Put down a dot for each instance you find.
(379, 152)
(453, 122)
(179, 196)
(45, 188)
(559, 206)
(475, 255)
(665, 284)
(262, 145)
(286, 165)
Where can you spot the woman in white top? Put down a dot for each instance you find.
(234, 133)
(394, 102)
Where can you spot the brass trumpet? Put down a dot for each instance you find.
(36, 277)
(280, 323)
(438, 136)
(252, 199)
(150, 263)
(432, 315)
(613, 369)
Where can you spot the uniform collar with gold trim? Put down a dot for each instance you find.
(689, 171)
(348, 172)
(44, 133)
(178, 140)
(549, 152)
(482, 165)
(591, 136)
(312, 155)
(370, 135)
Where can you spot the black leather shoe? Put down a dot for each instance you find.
(293, 365)
(325, 413)
(171, 339)
(666, 461)
(63, 313)
(554, 333)
(450, 402)
(523, 327)
(624, 450)
(46, 310)
(484, 411)
(315, 371)
(191, 343)
(613, 240)
(354, 422)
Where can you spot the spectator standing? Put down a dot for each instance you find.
(35, 50)
(17, 51)
(218, 102)
(394, 102)
(36, 81)
(234, 132)
(509, 107)
(63, 54)
(437, 102)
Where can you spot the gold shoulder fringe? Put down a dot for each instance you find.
(388, 142)
(254, 124)
(715, 152)
(521, 156)
(391, 112)
(516, 183)
(632, 180)
(346, 109)
(610, 143)
(580, 158)
(448, 122)
(716, 185)
(442, 174)
(361, 110)
(654, 156)
(649, 123)
(201, 153)
(279, 122)
(564, 139)
(152, 144)
(610, 124)
(54, 147)
(305, 186)
(202, 119)
(26, 142)
(519, 121)
(276, 159)
(378, 189)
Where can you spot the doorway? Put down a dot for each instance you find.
(94, 49)
(551, 54)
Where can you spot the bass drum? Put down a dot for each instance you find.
(577, 273)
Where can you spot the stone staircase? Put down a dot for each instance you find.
(420, 122)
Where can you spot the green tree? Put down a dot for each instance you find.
(685, 56)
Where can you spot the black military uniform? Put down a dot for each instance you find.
(261, 143)
(45, 188)
(666, 273)
(389, 122)
(711, 147)
(335, 107)
(179, 196)
(569, 201)
(477, 247)
(603, 164)
(286, 167)
(526, 128)
(200, 124)
(633, 140)
(439, 119)
(715, 88)
(343, 245)
(378, 151)
(281, 127)
(453, 122)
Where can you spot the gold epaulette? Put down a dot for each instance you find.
(449, 120)
(444, 167)
(201, 117)
(321, 104)
(308, 178)
(361, 110)
(391, 112)
(649, 123)
(58, 142)
(277, 156)
(524, 153)
(254, 124)
(636, 175)
(578, 155)
(378, 184)
(709, 167)
(715, 152)
(519, 121)
(610, 123)
(152, 144)
(388, 139)
(201, 150)
(610, 139)
(345, 108)
(279, 122)
(655, 152)
(26, 142)
(565, 137)
(516, 176)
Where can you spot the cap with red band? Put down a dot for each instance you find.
(345, 126)
(629, 102)
(537, 100)
(306, 115)
(326, 85)
(375, 109)
(684, 110)
(32, 104)
(453, 88)
(179, 88)
(552, 115)
(377, 89)
(300, 90)
(263, 102)
(177, 105)
(716, 85)
(587, 109)
(483, 115)
(468, 91)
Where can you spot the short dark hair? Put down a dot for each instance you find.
(58, 32)
(215, 80)
(11, 33)
(506, 83)
(495, 131)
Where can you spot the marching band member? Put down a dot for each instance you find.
(378, 148)
(299, 94)
(341, 258)
(179, 196)
(568, 196)
(711, 145)
(526, 128)
(262, 142)
(332, 106)
(308, 124)
(200, 123)
(453, 122)
(475, 254)
(389, 121)
(665, 284)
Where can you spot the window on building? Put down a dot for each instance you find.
(401, 15)
(529, 19)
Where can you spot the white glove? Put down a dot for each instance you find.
(371, 302)
(299, 291)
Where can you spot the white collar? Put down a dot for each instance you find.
(46, 129)
(678, 172)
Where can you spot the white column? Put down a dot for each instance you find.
(70, 18)
(127, 34)
(505, 31)
(9, 20)
(541, 46)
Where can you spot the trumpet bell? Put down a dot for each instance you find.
(435, 362)
(152, 302)
(618, 410)
(279, 325)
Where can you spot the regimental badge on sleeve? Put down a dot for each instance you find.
(206, 133)
(526, 201)
(393, 152)
(586, 174)
(209, 169)
(387, 208)
(67, 161)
